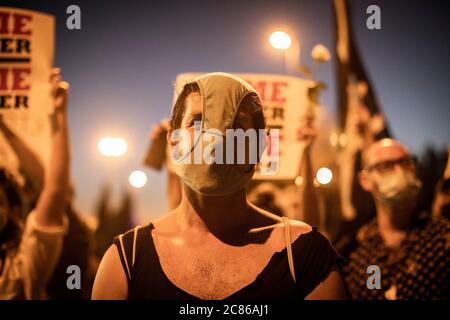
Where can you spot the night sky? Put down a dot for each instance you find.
(122, 64)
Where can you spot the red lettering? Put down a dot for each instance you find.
(18, 77)
(260, 87)
(3, 79)
(276, 92)
(15, 81)
(20, 22)
(4, 18)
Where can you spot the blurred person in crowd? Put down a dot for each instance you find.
(78, 241)
(215, 244)
(361, 130)
(30, 251)
(29, 168)
(78, 250)
(308, 203)
(111, 221)
(266, 196)
(441, 203)
(411, 249)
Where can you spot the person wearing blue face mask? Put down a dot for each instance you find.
(412, 251)
(216, 245)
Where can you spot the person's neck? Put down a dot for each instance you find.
(393, 219)
(393, 223)
(226, 217)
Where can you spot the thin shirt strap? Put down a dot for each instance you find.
(287, 231)
(134, 245)
(133, 256)
(122, 248)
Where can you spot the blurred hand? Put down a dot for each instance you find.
(3, 125)
(362, 118)
(60, 90)
(348, 212)
(306, 136)
(159, 128)
(447, 168)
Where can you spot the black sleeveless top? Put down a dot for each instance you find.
(313, 257)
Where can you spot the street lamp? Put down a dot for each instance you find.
(112, 146)
(291, 47)
(280, 40)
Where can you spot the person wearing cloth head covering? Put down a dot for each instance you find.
(215, 244)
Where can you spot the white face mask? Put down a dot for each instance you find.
(222, 94)
(398, 188)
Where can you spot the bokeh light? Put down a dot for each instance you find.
(112, 146)
(280, 40)
(324, 175)
(138, 179)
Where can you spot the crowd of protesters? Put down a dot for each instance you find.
(387, 219)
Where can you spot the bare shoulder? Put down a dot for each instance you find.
(166, 224)
(298, 228)
(110, 281)
(331, 288)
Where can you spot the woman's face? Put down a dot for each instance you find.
(194, 112)
(192, 116)
(243, 120)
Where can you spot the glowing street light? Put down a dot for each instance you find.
(324, 175)
(138, 179)
(280, 40)
(112, 146)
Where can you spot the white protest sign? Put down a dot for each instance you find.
(284, 99)
(26, 59)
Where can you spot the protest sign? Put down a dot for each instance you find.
(26, 60)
